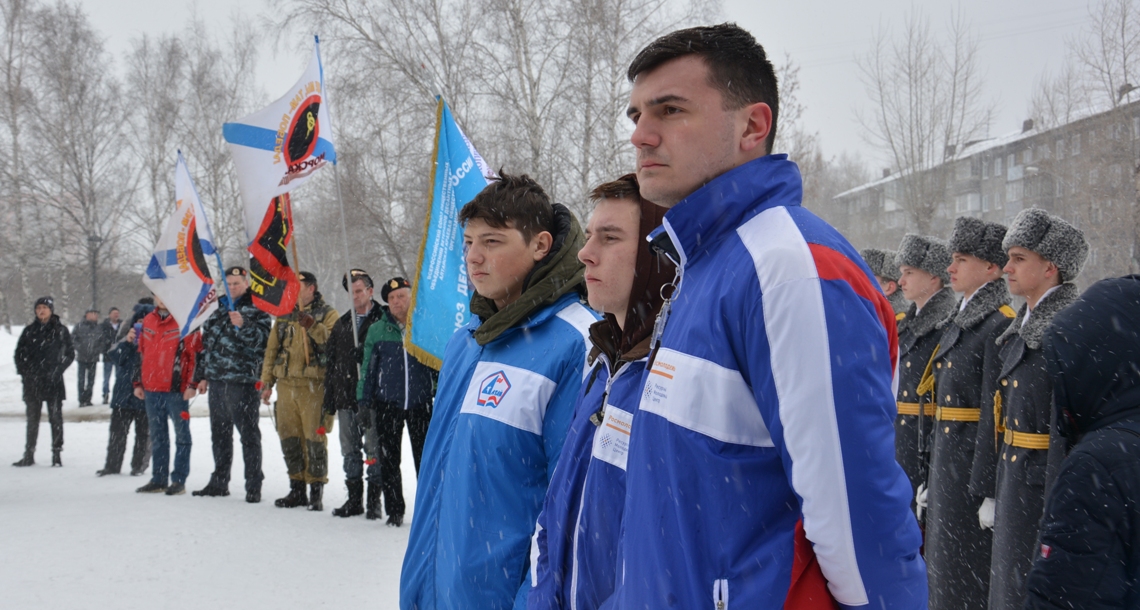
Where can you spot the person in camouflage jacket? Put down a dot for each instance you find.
(234, 345)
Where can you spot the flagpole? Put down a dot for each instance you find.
(217, 257)
(297, 264)
(340, 202)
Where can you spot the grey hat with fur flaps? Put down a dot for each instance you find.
(926, 253)
(881, 262)
(979, 238)
(1050, 236)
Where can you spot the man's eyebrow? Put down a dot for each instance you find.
(657, 101)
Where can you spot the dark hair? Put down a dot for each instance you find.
(146, 301)
(112, 309)
(625, 187)
(738, 66)
(516, 202)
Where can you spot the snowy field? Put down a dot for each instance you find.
(74, 540)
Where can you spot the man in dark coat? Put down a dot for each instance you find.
(922, 263)
(126, 408)
(110, 327)
(882, 264)
(233, 344)
(1045, 255)
(1089, 553)
(345, 350)
(396, 388)
(957, 547)
(43, 353)
(90, 343)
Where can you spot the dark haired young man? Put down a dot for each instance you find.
(761, 471)
(43, 353)
(505, 396)
(576, 564)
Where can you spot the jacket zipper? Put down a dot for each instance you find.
(720, 593)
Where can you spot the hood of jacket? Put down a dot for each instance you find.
(1043, 314)
(1092, 352)
(558, 273)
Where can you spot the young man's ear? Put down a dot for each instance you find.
(540, 245)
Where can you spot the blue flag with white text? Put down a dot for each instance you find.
(440, 294)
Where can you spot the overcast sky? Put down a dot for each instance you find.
(1019, 39)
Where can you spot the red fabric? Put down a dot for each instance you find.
(832, 265)
(808, 590)
(321, 430)
(185, 415)
(158, 343)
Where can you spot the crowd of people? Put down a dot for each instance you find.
(749, 413)
(237, 358)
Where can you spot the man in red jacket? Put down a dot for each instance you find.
(168, 362)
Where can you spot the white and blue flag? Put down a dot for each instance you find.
(440, 294)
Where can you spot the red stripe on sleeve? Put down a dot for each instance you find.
(832, 265)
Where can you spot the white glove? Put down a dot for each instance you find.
(920, 500)
(986, 514)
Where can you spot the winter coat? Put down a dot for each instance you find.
(43, 353)
(1023, 408)
(125, 355)
(392, 376)
(344, 356)
(918, 336)
(110, 332)
(90, 341)
(764, 430)
(1089, 553)
(500, 416)
(168, 361)
(285, 353)
(230, 353)
(898, 302)
(957, 548)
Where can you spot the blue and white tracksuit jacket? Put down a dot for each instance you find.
(501, 414)
(580, 520)
(765, 430)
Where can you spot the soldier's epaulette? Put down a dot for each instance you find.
(899, 317)
(1007, 311)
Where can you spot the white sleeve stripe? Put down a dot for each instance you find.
(796, 325)
(576, 315)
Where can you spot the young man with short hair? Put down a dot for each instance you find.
(91, 342)
(165, 383)
(43, 353)
(295, 360)
(345, 350)
(761, 467)
(966, 367)
(394, 388)
(507, 389)
(576, 565)
(923, 263)
(1045, 255)
(234, 344)
(882, 264)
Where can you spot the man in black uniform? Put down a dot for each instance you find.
(43, 353)
(1045, 255)
(966, 364)
(922, 263)
(345, 349)
(882, 264)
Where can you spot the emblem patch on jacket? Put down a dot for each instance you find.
(493, 389)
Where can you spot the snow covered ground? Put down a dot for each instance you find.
(74, 540)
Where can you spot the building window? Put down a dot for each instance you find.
(1027, 155)
(998, 197)
(1076, 144)
(986, 169)
(997, 166)
(986, 202)
(1010, 161)
(1060, 148)
(1135, 127)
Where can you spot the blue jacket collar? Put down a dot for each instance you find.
(727, 201)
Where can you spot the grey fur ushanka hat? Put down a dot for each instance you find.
(979, 238)
(881, 262)
(1050, 236)
(926, 253)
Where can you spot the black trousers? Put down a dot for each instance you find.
(55, 416)
(121, 420)
(86, 372)
(390, 419)
(234, 404)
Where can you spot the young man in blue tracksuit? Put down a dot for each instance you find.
(578, 528)
(761, 470)
(505, 396)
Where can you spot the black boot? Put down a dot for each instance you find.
(55, 460)
(315, 497)
(373, 502)
(353, 506)
(295, 498)
(28, 460)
